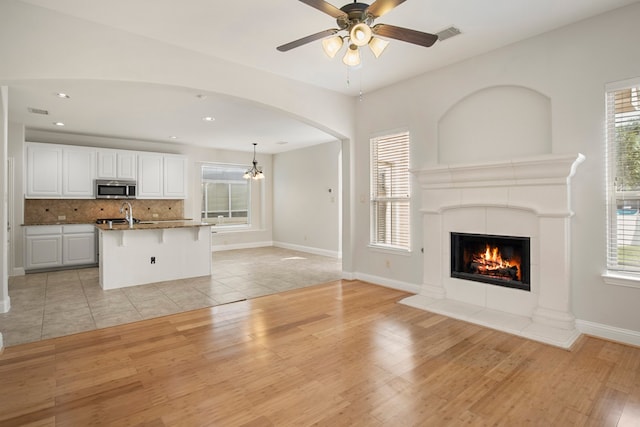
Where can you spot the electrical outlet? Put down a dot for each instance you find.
(62, 217)
(387, 264)
(153, 260)
(155, 215)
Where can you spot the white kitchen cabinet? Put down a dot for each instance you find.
(175, 177)
(44, 171)
(69, 172)
(78, 244)
(162, 176)
(117, 164)
(43, 247)
(59, 171)
(78, 172)
(150, 176)
(51, 246)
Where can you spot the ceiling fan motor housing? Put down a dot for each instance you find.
(355, 14)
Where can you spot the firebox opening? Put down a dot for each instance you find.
(497, 260)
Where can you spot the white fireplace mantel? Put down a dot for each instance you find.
(523, 197)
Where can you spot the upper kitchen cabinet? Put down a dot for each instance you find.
(162, 176)
(175, 177)
(78, 172)
(69, 172)
(117, 164)
(44, 171)
(59, 171)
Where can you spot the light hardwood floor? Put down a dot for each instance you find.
(338, 354)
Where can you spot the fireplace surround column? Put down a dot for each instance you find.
(554, 299)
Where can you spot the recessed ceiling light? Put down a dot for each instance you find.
(173, 137)
(208, 119)
(58, 123)
(62, 95)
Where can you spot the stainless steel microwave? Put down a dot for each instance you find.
(115, 189)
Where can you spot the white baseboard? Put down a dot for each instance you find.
(218, 248)
(389, 283)
(5, 304)
(18, 271)
(348, 275)
(611, 333)
(1, 343)
(308, 249)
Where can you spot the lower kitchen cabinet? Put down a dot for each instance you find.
(51, 246)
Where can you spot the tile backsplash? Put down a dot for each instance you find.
(49, 211)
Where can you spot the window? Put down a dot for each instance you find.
(225, 195)
(390, 191)
(623, 176)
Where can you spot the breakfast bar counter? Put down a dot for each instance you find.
(153, 251)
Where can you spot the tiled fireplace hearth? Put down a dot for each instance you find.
(527, 199)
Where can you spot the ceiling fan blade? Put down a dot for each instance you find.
(380, 7)
(405, 34)
(308, 39)
(325, 7)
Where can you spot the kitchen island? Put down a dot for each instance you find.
(153, 251)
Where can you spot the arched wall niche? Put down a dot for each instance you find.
(495, 123)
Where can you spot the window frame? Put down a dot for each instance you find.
(404, 199)
(203, 208)
(618, 273)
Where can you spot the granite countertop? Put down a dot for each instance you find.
(153, 225)
(94, 222)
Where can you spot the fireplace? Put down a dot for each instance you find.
(497, 260)
(519, 197)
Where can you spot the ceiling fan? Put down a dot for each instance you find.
(357, 20)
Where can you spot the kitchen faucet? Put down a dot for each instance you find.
(128, 215)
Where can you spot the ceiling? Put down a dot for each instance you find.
(247, 32)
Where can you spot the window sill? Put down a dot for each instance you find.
(389, 250)
(621, 279)
(231, 229)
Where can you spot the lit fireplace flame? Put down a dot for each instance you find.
(490, 263)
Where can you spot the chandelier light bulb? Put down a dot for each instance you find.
(352, 57)
(377, 46)
(332, 45)
(360, 34)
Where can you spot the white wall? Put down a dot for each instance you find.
(306, 199)
(4, 267)
(570, 66)
(16, 153)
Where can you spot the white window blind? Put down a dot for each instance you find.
(225, 195)
(390, 191)
(623, 176)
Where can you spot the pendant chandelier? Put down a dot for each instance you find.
(255, 171)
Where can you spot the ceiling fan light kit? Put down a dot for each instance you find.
(360, 34)
(331, 45)
(357, 20)
(377, 46)
(352, 57)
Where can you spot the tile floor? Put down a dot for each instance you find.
(47, 305)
